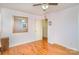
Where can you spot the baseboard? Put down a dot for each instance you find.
(64, 46)
(13, 45)
(50, 42)
(21, 43)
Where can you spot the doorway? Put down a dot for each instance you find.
(45, 34)
(45, 29)
(42, 29)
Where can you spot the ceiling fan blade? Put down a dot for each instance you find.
(52, 3)
(37, 4)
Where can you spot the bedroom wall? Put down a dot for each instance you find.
(64, 28)
(78, 28)
(33, 34)
(0, 23)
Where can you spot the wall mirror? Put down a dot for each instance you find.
(20, 24)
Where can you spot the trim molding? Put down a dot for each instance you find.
(16, 44)
(64, 46)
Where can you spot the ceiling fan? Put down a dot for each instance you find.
(45, 5)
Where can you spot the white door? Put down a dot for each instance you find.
(41, 29)
(38, 29)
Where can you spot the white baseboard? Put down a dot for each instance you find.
(48, 42)
(64, 46)
(13, 45)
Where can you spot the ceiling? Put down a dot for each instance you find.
(27, 7)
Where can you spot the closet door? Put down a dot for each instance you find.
(42, 29)
(38, 29)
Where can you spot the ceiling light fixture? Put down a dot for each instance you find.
(44, 6)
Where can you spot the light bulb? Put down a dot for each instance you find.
(23, 21)
(44, 6)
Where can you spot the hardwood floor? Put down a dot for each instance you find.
(40, 47)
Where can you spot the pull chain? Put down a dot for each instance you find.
(45, 16)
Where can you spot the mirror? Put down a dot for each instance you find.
(20, 24)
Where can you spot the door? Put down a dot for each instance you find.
(38, 30)
(42, 29)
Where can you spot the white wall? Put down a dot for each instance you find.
(78, 28)
(0, 23)
(19, 38)
(64, 28)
